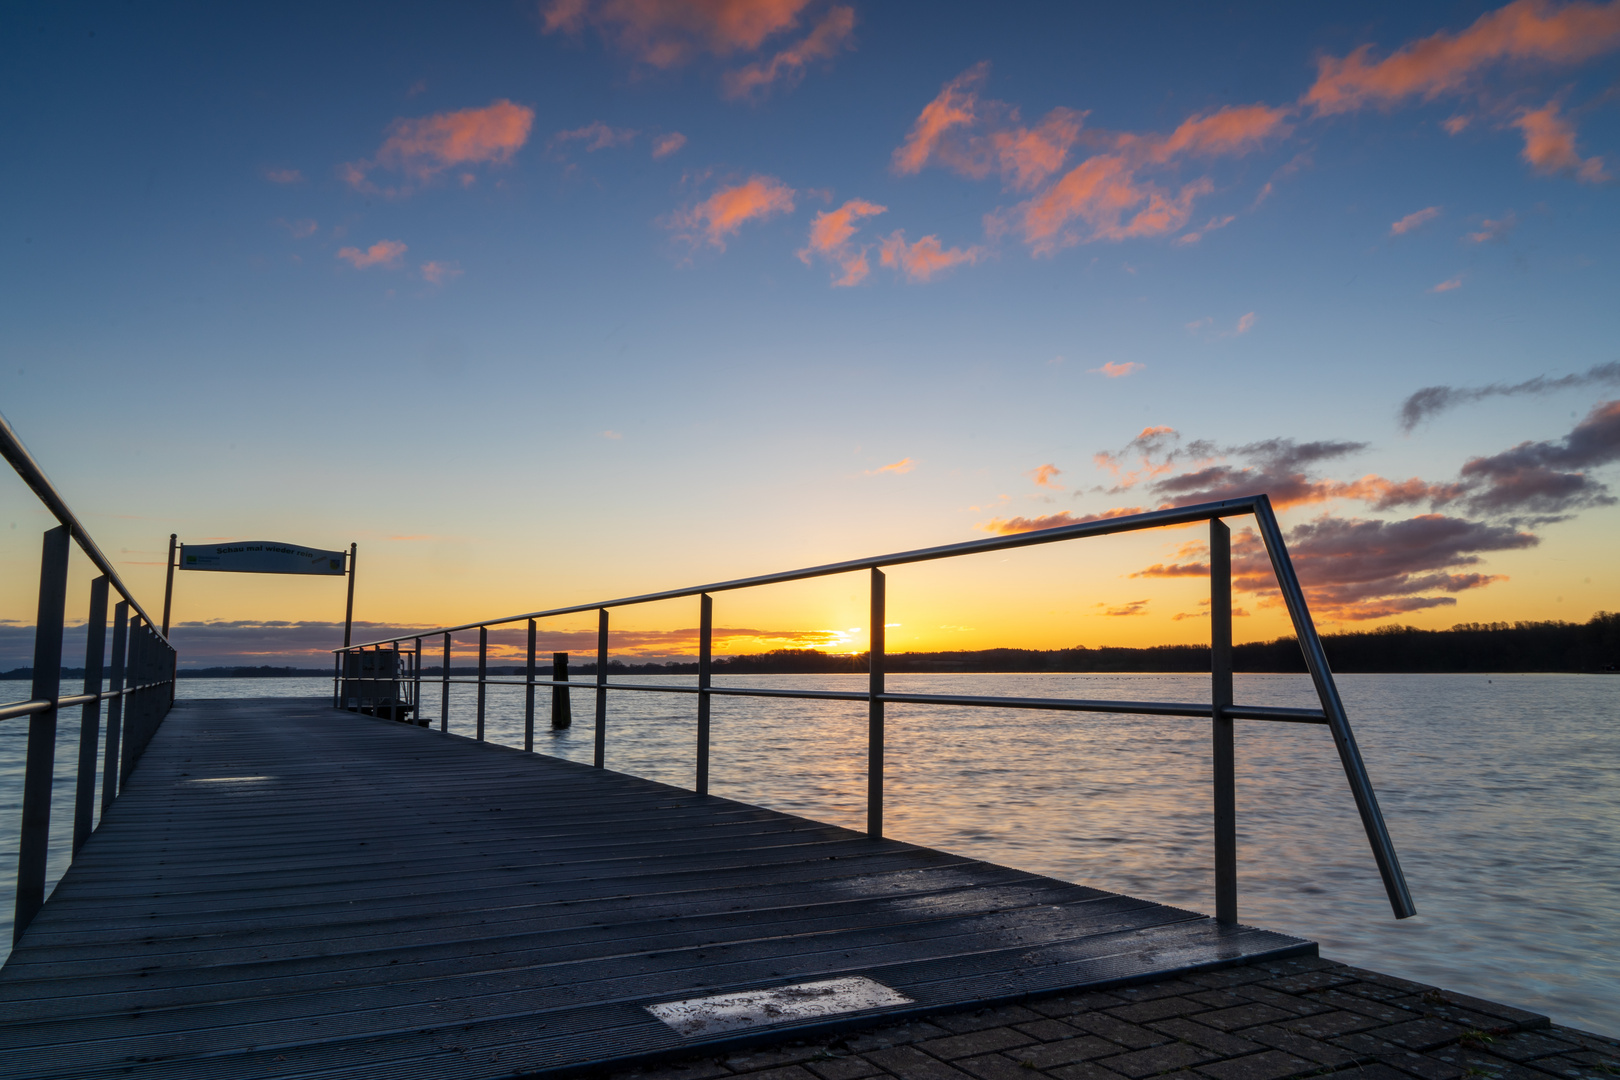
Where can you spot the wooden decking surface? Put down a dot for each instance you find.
(289, 891)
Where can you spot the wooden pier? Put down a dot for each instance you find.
(286, 890)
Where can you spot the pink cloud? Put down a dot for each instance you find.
(424, 147)
(1010, 526)
(830, 235)
(904, 465)
(383, 253)
(665, 145)
(1549, 145)
(729, 209)
(925, 258)
(1413, 220)
(597, 136)
(1447, 285)
(1117, 371)
(1494, 230)
(829, 37)
(1043, 474)
(439, 272)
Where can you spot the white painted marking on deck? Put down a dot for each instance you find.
(778, 1005)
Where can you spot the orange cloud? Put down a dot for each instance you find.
(284, 176)
(1494, 230)
(952, 108)
(438, 273)
(1549, 145)
(382, 253)
(1042, 475)
(1234, 130)
(667, 33)
(829, 37)
(424, 147)
(665, 145)
(1009, 526)
(1456, 125)
(904, 465)
(597, 136)
(925, 258)
(1413, 220)
(1207, 227)
(1105, 195)
(830, 234)
(1117, 371)
(1447, 285)
(1523, 31)
(729, 209)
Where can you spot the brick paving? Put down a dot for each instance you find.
(1271, 1021)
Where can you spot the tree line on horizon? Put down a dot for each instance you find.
(1592, 646)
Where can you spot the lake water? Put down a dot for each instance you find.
(1502, 794)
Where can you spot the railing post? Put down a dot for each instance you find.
(705, 643)
(444, 688)
(874, 711)
(95, 644)
(33, 843)
(483, 672)
(416, 683)
(337, 675)
(601, 687)
(562, 698)
(132, 709)
(1222, 752)
(528, 695)
(110, 773)
(168, 586)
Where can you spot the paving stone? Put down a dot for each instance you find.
(909, 1063)
(1573, 1069)
(684, 1070)
(1423, 1066)
(1520, 1017)
(1047, 1030)
(1299, 1006)
(995, 1067)
(1600, 1043)
(1425, 1034)
(1529, 1045)
(841, 1068)
(899, 1035)
(1378, 978)
(986, 1041)
(1386, 1011)
(1070, 1004)
(1065, 1052)
(769, 1057)
(1374, 1071)
(1155, 990)
(1266, 1065)
(1432, 1005)
(1243, 1016)
(788, 1072)
(1280, 1038)
(1207, 1037)
(1331, 1025)
(1306, 981)
(1491, 1067)
(1157, 1059)
(1116, 1030)
(1158, 1009)
(1607, 1058)
(1236, 976)
(960, 1023)
(1373, 991)
(1090, 1070)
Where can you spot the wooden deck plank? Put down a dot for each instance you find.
(396, 902)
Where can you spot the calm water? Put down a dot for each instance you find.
(1502, 794)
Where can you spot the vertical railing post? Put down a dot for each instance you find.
(34, 840)
(130, 749)
(337, 674)
(95, 644)
(483, 673)
(705, 644)
(601, 687)
(1223, 753)
(168, 586)
(115, 705)
(528, 694)
(874, 711)
(444, 688)
(562, 698)
(416, 684)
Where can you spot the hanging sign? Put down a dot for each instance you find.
(262, 557)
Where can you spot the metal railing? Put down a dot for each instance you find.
(1221, 709)
(140, 690)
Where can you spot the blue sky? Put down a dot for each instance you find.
(290, 273)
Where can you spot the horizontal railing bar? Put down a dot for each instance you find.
(13, 450)
(28, 708)
(1152, 520)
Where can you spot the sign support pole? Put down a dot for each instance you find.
(168, 587)
(348, 614)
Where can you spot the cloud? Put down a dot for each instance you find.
(1547, 478)
(301, 228)
(1280, 468)
(952, 108)
(424, 147)
(904, 465)
(438, 273)
(729, 209)
(925, 258)
(611, 434)
(1117, 371)
(284, 176)
(1134, 607)
(829, 37)
(1192, 236)
(1413, 220)
(1432, 400)
(830, 235)
(1447, 285)
(1549, 145)
(1494, 230)
(1042, 475)
(1206, 326)
(599, 136)
(383, 253)
(1233, 130)
(1456, 125)
(1010, 526)
(665, 145)
(1522, 32)
(1245, 324)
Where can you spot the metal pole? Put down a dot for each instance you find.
(168, 587)
(874, 712)
(95, 644)
(705, 642)
(338, 660)
(1222, 750)
(528, 695)
(130, 749)
(601, 687)
(416, 683)
(348, 612)
(444, 688)
(115, 705)
(483, 673)
(34, 840)
(1355, 770)
(562, 698)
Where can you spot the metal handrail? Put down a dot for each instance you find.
(1221, 710)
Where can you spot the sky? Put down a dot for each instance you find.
(549, 303)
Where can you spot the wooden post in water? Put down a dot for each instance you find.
(562, 713)
(1223, 751)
